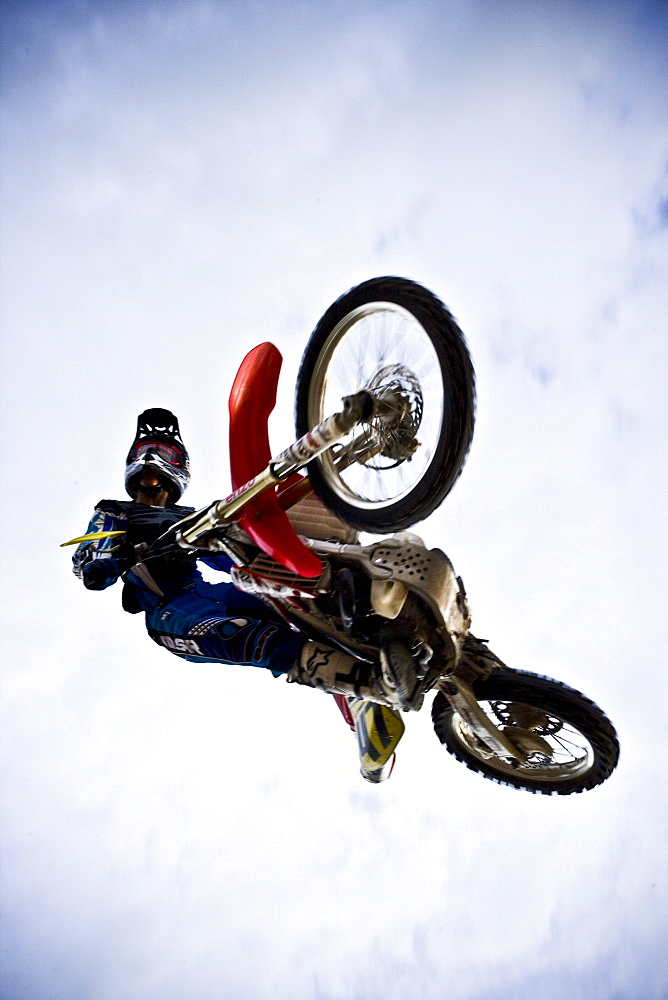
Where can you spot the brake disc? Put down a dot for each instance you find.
(399, 395)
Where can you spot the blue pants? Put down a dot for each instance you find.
(216, 623)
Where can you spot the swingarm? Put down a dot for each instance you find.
(492, 741)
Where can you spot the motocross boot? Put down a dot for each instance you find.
(378, 730)
(402, 673)
(332, 670)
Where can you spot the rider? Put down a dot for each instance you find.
(204, 622)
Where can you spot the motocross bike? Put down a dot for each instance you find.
(384, 414)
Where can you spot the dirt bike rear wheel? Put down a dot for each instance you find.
(583, 746)
(389, 335)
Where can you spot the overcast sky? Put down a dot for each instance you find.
(180, 181)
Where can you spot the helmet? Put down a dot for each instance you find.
(158, 446)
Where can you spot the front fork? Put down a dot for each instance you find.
(355, 409)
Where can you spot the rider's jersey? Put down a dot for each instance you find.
(150, 583)
(196, 620)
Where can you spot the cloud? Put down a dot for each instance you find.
(181, 181)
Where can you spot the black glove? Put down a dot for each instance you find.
(101, 573)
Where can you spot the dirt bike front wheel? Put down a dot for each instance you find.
(396, 339)
(570, 743)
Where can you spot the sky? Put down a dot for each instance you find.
(179, 182)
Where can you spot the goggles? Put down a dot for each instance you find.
(169, 453)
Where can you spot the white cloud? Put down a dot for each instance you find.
(181, 182)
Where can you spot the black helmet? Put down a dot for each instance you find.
(158, 446)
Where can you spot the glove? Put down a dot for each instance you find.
(99, 574)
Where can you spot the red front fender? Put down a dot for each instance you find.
(252, 400)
